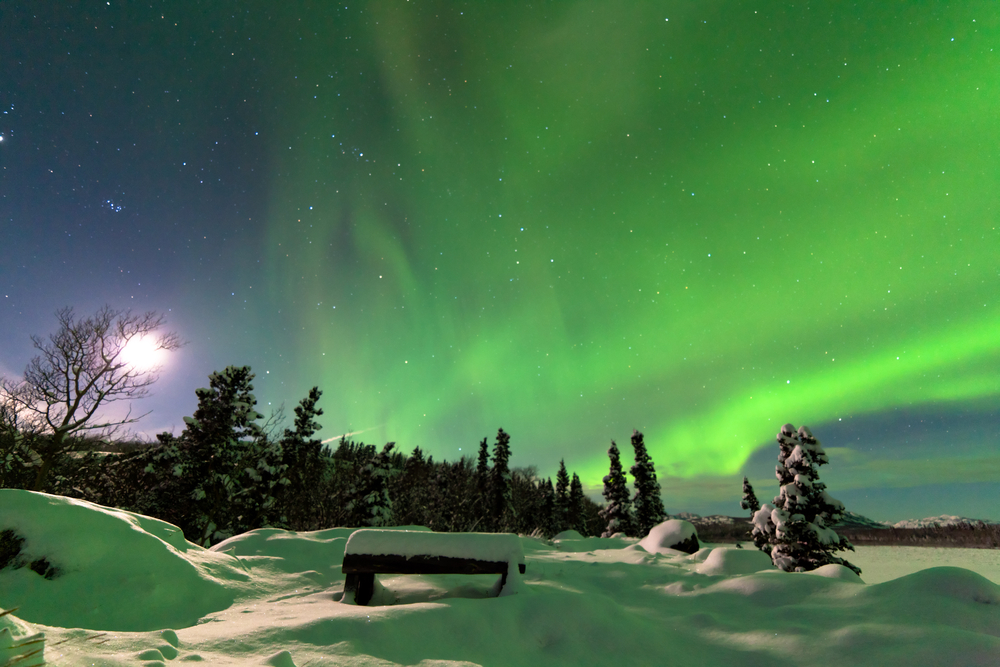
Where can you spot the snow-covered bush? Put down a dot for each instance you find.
(796, 530)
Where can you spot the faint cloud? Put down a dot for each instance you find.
(902, 473)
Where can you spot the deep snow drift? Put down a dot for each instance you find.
(130, 590)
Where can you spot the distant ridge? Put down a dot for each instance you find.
(850, 520)
(943, 520)
(853, 520)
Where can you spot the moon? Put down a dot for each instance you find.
(143, 354)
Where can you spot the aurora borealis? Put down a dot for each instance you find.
(700, 220)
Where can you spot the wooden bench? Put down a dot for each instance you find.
(371, 551)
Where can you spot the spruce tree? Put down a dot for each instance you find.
(303, 455)
(649, 510)
(797, 529)
(502, 511)
(548, 509)
(483, 467)
(216, 446)
(375, 506)
(411, 499)
(749, 501)
(576, 516)
(483, 502)
(560, 515)
(617, 514)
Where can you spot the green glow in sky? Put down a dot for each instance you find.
(575, 220)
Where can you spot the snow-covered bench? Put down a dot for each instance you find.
(371, 551)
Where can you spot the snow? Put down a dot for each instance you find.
(493, 547)
(729, 562)
(567, 535)
(133, 591)
(667, 534)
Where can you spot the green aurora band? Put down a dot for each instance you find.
(581, 219)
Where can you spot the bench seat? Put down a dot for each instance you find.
(371, 551)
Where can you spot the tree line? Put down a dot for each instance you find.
(229, 472)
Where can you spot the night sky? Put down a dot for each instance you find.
(566, 219)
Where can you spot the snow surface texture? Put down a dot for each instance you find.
(267, 598)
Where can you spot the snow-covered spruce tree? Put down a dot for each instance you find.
(796, 529)
(749, 501)
(560, 514)
(617, 514)
(577, 520)
(501, 508)
(649, 509)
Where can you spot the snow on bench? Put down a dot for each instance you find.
(371, 551)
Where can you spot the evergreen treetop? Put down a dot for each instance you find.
(617, 512)
(483, 467)
(576, 518)
(225, 409)
(306, 413)
(649, 509)
(500, 483)
(560, 517)
(749, 501)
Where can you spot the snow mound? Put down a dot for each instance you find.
(836, 571)
(567, 535)
(280, 659)
(700, 555)
(116, 570)
(580, 544)
(671, 535)
(291, 553)
(954, 583)
(727, 562)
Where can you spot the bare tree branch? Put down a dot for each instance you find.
(79, 370)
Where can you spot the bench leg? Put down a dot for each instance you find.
(362, 585)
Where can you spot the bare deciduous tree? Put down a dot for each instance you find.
(81, 369)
